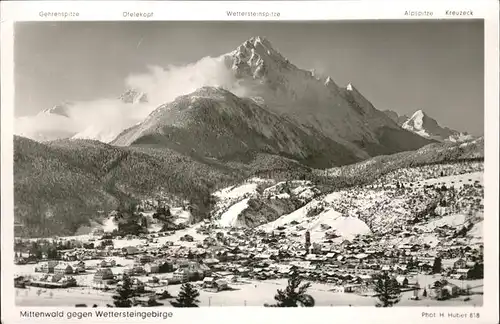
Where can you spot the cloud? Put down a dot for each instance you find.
(164, 85)
(104, 119)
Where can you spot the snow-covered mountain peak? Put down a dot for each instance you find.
(329, 83)
(416, 121)
(257, 58)
(349, 87)
(61, 109)
(133, 96)
(425, 126)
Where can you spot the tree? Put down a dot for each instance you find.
(424, 293)
(165, 267)
(219, 236)
(105, 243)
(125, 293)
(35, 250)
(437, 267)
(165, 294)
(294, 294)
(144, 221)
(162, 213)
(477, 271)
(387, 290)
(152, 302)
(187, 297)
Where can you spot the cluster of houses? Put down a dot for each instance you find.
(56, 280)
(442, 290)
(260, 255)
(57, 267)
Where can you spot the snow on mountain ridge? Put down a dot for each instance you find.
(99, 134)
(420, 123)
(134, 96)
(61, 109)
(287, 89)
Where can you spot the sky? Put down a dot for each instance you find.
(404, 66)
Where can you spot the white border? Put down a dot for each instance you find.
(298, 10)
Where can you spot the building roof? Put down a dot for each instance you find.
(105, 271)
(62, 266)
(463, 270)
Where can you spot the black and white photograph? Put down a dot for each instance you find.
(249, 163)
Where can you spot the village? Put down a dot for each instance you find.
(245, 266)
(244, 256)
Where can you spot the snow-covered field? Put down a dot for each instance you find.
(450, 220)
(249, 293)
(346, 227)
(456, 180)
(230, 217)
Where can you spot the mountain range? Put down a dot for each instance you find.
(422, 124)
(275, 120)
(272, 85)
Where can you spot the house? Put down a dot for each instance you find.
(424, 266)
(151, 268)
(20, 282)
(402, 281)
(361, 256)
(79, 267)
(48, 266)
(204, 269)
(69, 256)
(460, 264)
(448, 290)
(68, 281)
(301, 264)
(145, 258)
(63, 269)
(135, 270)
(130, 250)
(330, 255)
(283, 268)
(345, 289)
(181, 275)
(405, 246)
(365, 278)
(60, 279)
(103, 274)
(107, 263)
(263, 256)
(242, 271)
(463, 273)
(402, 268)
(221, 284)
(165, 266)
(208, 282)
(210, 261)
(470, 264)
